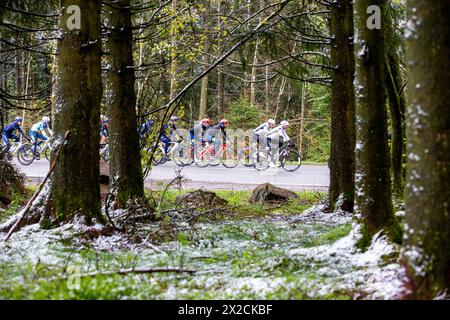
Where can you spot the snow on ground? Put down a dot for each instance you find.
(264, 258)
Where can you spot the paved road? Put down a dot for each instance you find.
(308, 177)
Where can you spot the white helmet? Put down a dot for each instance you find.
(271, 121)
(284, 123)
(46, 119)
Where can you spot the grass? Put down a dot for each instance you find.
(242, 256)
(238, 199)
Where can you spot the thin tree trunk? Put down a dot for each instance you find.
(427, 232)
(373, 183)
(74, 187)
(205, 80)
(125, 166)
(280, 94)
(173, 54)
(342, 156)
(396, 106)
(302, 121)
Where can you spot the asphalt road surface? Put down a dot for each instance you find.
(308, 177)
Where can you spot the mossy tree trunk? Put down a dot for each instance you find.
(342, 157)
(373, 183)
(397, 105)
(427, 239)
(74, 186)
(125, 166)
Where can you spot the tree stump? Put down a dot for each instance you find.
(266, 193)
(201, 198)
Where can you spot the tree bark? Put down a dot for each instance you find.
(125, 167)
(342, 156)
(427, 238)
(373, 183)
(74, 186)
(396, 106)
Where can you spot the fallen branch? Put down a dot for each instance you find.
(39, 189)
(133, 270)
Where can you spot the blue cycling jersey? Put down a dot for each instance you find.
(10, 128)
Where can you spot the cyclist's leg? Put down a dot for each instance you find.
(5, 139)
(34, 138)
(165, 139)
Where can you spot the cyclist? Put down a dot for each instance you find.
(104, 131)
(37, 132)
(263, 129)
(217, 132)
(199, 130)
(145, 129)
(276, 133)
(8, 133)
(170, 130)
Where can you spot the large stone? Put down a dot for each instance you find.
(201, 198)
(266, 193)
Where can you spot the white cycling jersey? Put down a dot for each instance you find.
(264, 128)
(40, 127)
(277, 132)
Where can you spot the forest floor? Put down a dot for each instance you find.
(244, 251)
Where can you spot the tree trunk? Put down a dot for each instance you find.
(396, 106)
(125, 167)
(342, 156)
(373, 183)
(427, 238)
(74, 186)
(205, 83)
(173, 54)
(302, 118)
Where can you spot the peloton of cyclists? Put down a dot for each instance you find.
(9, 133)
(37, 133)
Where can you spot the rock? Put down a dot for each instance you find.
(269, 193)
(201, 198)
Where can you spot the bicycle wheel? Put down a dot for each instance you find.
(48, 153)
(182, 156)
(290, 159)
(158, 156)
(262, 161)
(25, 154)
(230, 157)
(203, 158)
(215, 157)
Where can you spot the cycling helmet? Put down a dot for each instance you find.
(271, 121)
(46, 119)
(225, 122)
(106, 120)
(19, 119)
(173, 118)
(205, 121)
(284, 123)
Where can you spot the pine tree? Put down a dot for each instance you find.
(427, 231)
(74, 187)
(342, 157)
(125, 165)
(373, 183)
